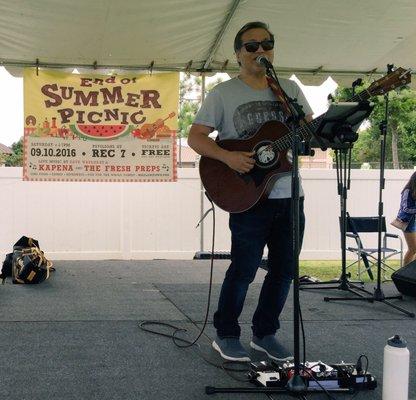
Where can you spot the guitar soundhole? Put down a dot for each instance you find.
(266, 156)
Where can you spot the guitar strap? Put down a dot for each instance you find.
(276, 89)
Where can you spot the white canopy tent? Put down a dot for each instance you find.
(315, 39)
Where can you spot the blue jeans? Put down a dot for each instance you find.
(411, 227)
(268, 223)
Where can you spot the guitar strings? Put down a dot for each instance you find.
(286, 141)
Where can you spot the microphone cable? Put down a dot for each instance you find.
(183, 343)
(180, 342)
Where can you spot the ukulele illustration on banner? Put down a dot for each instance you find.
(158, 129)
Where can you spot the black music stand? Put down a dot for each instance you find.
(338, 130)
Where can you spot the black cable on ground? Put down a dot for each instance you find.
(303, 334)
(173, 336)
(185, 343)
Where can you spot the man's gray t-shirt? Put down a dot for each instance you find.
(237, 111)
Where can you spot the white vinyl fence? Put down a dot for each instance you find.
(95, 221)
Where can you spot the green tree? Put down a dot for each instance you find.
(401, 126)
(187, 114)
(214, 83)
(189, 84)
(400, 139)
(16, 158)
(190, 100)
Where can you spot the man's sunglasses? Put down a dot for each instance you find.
(267, 45)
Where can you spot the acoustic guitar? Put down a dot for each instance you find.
(235, 192)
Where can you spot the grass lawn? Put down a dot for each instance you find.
(326, 270)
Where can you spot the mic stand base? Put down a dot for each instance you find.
(377, 296)
(344, 284)
(272, 390)
(296, 384)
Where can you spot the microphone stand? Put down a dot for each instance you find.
(296, 384)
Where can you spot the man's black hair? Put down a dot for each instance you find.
(238, 43)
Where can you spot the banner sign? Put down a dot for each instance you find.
(114, 128)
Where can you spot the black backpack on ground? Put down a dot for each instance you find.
(27, 263)
(6, 269)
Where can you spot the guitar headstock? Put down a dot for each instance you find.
(399, 77)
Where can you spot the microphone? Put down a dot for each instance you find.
(264, 61)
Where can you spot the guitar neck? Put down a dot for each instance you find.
(392, 80)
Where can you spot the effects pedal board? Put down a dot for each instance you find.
(317, 375)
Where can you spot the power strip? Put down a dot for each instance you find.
(317, 375)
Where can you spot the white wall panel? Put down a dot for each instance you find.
(157, 220)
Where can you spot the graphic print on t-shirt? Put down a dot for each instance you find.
(249, 117)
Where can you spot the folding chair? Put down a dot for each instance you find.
(369, 255)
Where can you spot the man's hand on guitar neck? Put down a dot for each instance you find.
(240, 161)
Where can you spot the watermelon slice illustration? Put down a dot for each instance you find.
(101, 132)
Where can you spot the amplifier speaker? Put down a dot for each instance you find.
(405, 279)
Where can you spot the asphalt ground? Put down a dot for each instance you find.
(77, 335)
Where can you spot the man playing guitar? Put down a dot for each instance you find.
(237, 109)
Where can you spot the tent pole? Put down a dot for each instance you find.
(201, 232)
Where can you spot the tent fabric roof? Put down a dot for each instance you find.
(314, 39)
